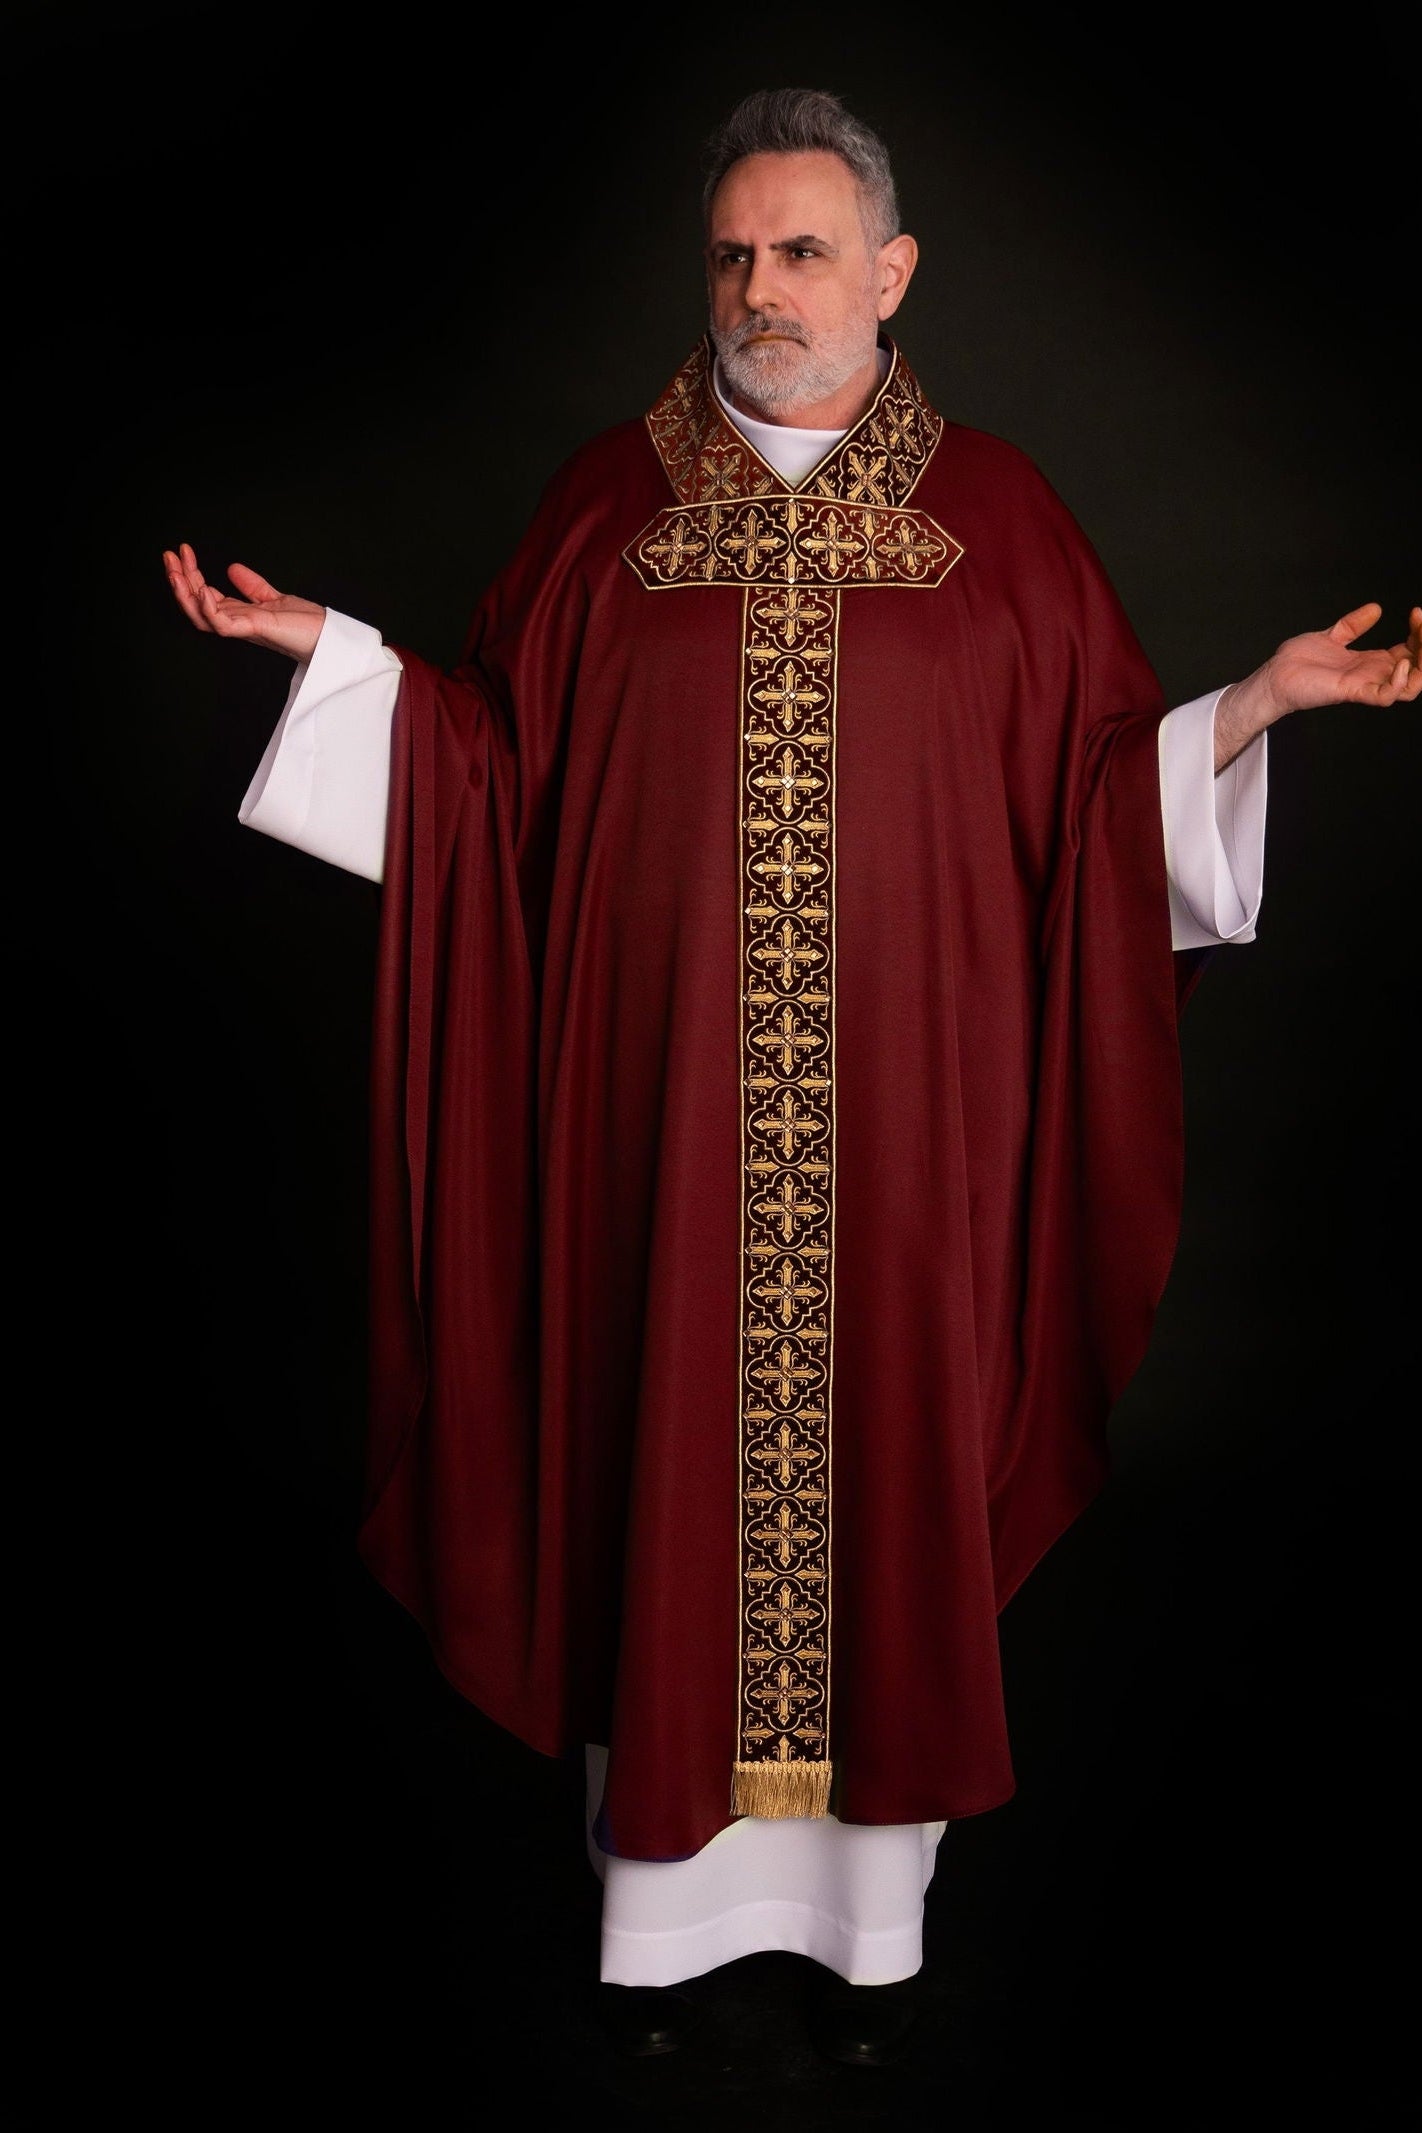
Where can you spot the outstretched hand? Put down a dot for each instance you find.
(259, 612)
(1320, 667)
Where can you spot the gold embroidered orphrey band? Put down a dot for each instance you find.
(794, 552)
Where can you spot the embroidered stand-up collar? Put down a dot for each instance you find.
(877, 460)
(737, 521)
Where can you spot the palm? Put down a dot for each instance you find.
(257, 611)
(1323, 667)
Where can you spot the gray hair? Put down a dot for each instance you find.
(781, 122)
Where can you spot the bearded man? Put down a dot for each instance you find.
(777, 1111)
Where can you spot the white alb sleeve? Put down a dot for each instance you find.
(1214, 828)
(324, 782)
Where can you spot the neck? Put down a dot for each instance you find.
(839, 412)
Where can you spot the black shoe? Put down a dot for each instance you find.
(862, 2025)
(644, 2021)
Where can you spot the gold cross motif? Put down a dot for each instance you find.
(868, 483)
(785, 1693)
(788, 781)
(787, 1453)
(898, 419)
(781, 1537)
(785, 871)
(788, 1124)
(786, 954)
(789, 1208)
(792, 691)
(784, 1291)
(785, 1037)
(682, 544)
(720, 476)
(835, 543)
(791, 614)
(785, 1371)
(785, 1613)
(915, 554)
(757, 540)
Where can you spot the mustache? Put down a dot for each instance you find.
(789, 329)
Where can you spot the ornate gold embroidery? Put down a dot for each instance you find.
(707, 458)
(787, 1148)
(705, 455)
(792, 540)
(848, 525)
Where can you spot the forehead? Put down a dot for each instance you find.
(765, 197)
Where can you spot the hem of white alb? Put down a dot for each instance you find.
(880, 1957)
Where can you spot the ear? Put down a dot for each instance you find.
(894, 269)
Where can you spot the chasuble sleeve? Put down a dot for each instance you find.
(470, 840)
(1105, 1164)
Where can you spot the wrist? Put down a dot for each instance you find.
(1253, 703)
(300, 642)
(1242, 712)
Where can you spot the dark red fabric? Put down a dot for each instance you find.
(556, 1142)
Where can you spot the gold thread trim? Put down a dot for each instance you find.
(776, 1791)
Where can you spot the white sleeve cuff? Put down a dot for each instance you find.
(324, 782)
(1214, 828)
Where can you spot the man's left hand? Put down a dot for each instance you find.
(1320, 667)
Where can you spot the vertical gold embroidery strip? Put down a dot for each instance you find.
(788, 684)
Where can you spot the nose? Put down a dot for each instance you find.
(762, 284)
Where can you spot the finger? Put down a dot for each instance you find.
(182, 592)
(195, 578)
(1392, 683)
(250, 583)
(1353, 624)
(219, 613)
(1406, 681)
(233, 618)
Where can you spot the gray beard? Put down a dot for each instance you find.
(774, 377)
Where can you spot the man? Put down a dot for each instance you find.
(777, 1114)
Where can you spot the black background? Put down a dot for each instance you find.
(334, 296)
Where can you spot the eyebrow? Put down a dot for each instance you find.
(781, 244)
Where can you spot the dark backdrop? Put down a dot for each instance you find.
(334, 297)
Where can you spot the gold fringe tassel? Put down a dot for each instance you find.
(776, 1791)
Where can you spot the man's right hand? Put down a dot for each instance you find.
(260, 613)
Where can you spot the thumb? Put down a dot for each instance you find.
(1353, 624)
(253, 586)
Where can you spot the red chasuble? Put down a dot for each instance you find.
(777, 1116)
